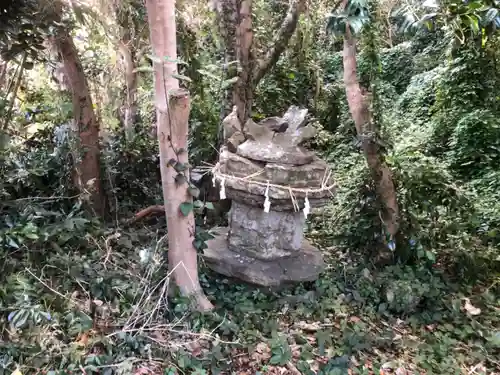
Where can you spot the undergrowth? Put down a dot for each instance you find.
(104, 310)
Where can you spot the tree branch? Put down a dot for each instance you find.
(280, 42)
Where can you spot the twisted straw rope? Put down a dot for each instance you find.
(222, 176)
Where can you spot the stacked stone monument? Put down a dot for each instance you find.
(273, 183)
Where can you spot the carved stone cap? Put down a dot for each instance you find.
(277, 139)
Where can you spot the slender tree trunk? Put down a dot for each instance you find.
(172, 107)
(87, 176)
(130, 115)
(17, 79)
(3, 73)
(128, 52)
(244, 87)
(365, 128)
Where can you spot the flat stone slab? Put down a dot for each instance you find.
(305, 266)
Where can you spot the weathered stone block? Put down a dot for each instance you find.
(284, 203)
(299, 176)
(265, 235)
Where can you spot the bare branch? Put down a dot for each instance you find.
(281, 41)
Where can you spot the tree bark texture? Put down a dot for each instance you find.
(367, 132)
(173, 105)
(87, 175)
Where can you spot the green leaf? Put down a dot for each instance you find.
(144, 69)
(197, 244)
(32, 236)
(186, 208)
(323, 337)
(12, 243)
(206, 73)
(198, 204)
(194, 191)
(180, 167)
(171, 162)
(180, 179)
(430, 255)
(181, 77)
(473, 23)
(209, 206)
(275, 359)
(229, 82)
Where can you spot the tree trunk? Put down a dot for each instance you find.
(87, 176)
(127, 49)
(235, 19)
(365, 128)
(172, 116)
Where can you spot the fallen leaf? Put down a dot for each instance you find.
(472, 310)
(354, 319)
(262, 353)
(307, 326)
(195, 348)
(83, 340)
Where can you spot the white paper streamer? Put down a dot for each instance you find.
(307, 207)
(267, 202)
(222, 194)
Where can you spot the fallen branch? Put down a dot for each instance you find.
(151, 210)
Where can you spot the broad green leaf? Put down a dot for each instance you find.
(275, 359)
(204, 72)
(181, 77)
(194, 191)
(180, 178)
(180, 167)
(186, 208)
(229, 82)
(32, 236)
(144, 69)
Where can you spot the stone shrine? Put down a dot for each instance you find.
(273, 183)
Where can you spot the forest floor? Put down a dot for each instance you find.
(106, 312)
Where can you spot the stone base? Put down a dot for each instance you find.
(306, 266)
